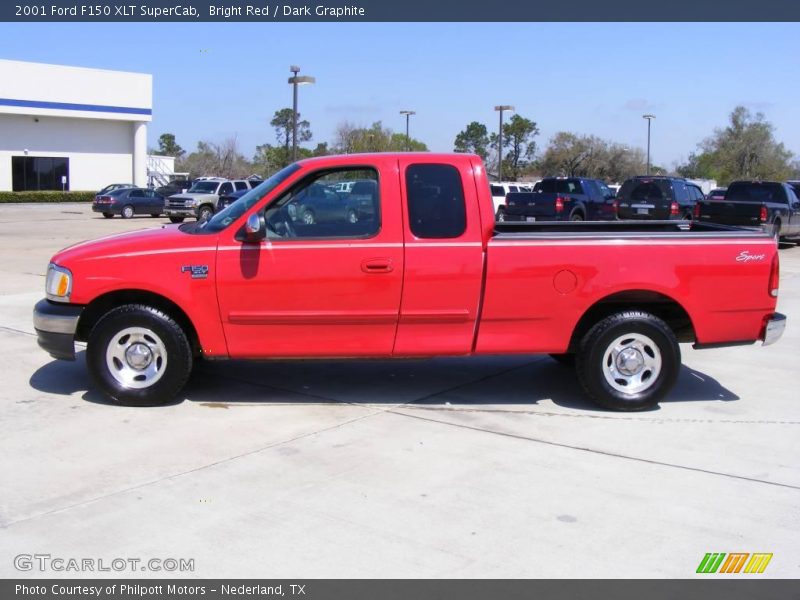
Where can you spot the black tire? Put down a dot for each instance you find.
(576, 217)
(567, 359)
(593, 363)
(205, 212)
(108, 215)
(155, 215)
(176, 219)
(127, 212)
(776, 230)
(175, 355)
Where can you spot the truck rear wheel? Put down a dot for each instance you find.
(628, 361)
(139, 355)
(176, 219)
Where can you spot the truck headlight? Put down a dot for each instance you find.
(58, 284)
(190, 202)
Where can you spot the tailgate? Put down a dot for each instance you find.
(531, 204)
(730, 213)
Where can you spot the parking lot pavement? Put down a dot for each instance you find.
(489, 467)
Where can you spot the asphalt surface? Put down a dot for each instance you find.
(488, 467)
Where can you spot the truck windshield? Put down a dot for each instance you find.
(204, 187)
(227, 216)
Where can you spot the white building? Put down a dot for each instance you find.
(71, 126)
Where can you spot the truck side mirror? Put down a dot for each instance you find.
(255, 228)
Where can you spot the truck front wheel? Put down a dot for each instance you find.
(139, 355)
(205, 213)
(628, 361)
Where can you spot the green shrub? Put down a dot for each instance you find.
(46, 196)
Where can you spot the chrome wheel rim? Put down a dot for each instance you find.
(308, 218)
(136, 357)
(352, 216)
(128, 212)
(632, 363)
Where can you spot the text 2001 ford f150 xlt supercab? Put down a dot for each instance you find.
(424, 272)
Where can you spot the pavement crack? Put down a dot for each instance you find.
(541, 413)
(13, 330)
(649, 461)
(5, 525)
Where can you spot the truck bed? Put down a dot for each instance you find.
(727, 212)
(593, 229)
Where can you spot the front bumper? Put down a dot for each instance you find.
(774, 329)
(55, 326)
(180, 212)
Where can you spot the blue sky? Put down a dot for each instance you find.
(214, 80)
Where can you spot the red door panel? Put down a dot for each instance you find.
(443, 277)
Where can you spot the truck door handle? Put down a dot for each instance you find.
(377, 265)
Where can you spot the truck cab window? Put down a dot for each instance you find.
(316, 208)
(436, 207)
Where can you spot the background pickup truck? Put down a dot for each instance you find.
(562, 199)
(427, 273)
(768, 205)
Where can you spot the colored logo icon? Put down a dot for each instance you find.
(736, 562)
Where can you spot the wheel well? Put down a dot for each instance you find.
(102, 304)
(578, 210)
(664, 307)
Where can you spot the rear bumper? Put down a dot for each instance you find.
(105, 208)
(774, 329)
(55, 326)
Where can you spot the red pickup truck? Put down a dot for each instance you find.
(414, 266)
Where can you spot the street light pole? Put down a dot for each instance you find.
(407, 113)
(295, 81)
(500, 109)
(649, 118)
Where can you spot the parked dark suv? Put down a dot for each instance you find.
(657, 197)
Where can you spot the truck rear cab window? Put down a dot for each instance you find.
(756, 192)
(568, 186)
(436, 207)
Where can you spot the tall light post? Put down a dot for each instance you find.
(649, 118)
(295, 81)
(500, 109)
(407, 113)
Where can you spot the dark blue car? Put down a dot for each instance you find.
(128, 202)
